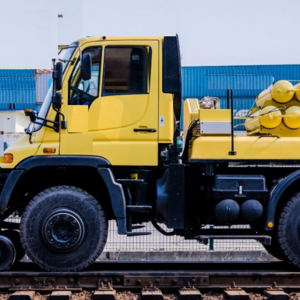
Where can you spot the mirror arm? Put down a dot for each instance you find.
(52, 127)
(55, 124)
(63, 123)
(50, 121)
(56, 110)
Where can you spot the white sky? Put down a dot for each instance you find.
(28, 33)
(211, 32)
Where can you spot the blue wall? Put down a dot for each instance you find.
(246, 81)
(17, 89)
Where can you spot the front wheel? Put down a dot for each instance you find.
(63, 228)
(289, 229)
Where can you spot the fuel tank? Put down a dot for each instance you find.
(282, 92)
(297, 91)
(291, 119)
(268, 117)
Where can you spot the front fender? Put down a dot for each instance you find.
(8, 188)
(276, 195)
(115, 189)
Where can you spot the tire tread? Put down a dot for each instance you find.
(31, 205)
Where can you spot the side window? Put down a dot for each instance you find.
(83, 92)
(126, 70)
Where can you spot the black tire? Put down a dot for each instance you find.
(63, 228)
(14, 236)
(274, 249)
(289, 229)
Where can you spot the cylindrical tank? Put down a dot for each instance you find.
(297, 91)
(292, 117)
(283, 91)
(251, 211)
(227, 210)
(263, 96)
(268, 117)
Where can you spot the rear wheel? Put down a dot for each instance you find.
(63, 229)
(14, 236)
(289, 229)
(274, 249)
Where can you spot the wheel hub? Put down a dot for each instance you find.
(63, 230)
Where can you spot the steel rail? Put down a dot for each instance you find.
(164, 275)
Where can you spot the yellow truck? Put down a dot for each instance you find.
(106, 145)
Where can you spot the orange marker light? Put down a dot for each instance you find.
(270, 224)
(8, 158)
(28, 111)
(49, 150)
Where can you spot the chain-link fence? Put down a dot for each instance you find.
(159, 242)
(160, 247)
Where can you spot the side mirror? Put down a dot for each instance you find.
(57, 75)
(56, 100)
(86, 66)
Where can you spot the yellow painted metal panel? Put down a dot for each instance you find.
(21, 150)
(76, 143)
(78, 118)
(46, 134)
(215, 115)
(248, 147)
(165, 118)
(117, 111)
(190, 113)
(113, 118)
(127, 153)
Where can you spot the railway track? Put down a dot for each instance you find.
(151, 278)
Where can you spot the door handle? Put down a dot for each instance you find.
(144, 130)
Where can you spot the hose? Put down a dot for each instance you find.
(162, 231)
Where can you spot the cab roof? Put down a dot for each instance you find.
(117, 38)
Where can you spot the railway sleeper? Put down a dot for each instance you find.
(235, 293)
(60, 295)
(151, 293)
(276, 293)
(105, 291)
(189, 293)
(22, 295)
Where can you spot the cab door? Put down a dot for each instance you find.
(123, 120)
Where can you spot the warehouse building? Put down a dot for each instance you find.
(244, 46)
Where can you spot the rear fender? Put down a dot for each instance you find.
(275, 196)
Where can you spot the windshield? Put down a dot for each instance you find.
(64, 55)
(44, 108)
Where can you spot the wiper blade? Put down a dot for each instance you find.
(67, 60)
